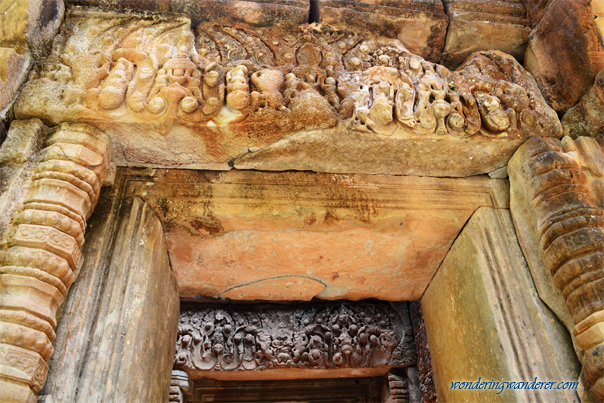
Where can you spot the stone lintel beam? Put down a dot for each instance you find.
(274, 342)
(283, 236)
(40, 252)
(557, 202)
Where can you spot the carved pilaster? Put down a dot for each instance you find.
(558, 208)
(179, 385)
(39, 259)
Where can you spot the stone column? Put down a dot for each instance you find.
(486, 323)
(39, 259)
(558, 208)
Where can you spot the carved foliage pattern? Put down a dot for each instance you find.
(150, 69)
(326, 336)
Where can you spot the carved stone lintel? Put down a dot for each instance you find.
(40, 252)
(345, 336)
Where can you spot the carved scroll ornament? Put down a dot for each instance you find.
(316, 337)
(39, 257)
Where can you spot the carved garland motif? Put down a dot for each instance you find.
(42, 249)
(147, 69)
(328, 336)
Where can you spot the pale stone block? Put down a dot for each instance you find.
(485, 319)
(484, 25)
(421, 25)
(116, 339)
(564, 51)
(296, 235)
(23, 139)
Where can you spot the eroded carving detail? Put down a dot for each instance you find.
(148, 69)
(40, 254)
(566, 190)
(346, 335)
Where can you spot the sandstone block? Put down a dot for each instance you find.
(484, 25)
(30, 23)
(261, 13)
(565, 52)
(587, 117)
(13, 72)
(485, 319)
(294, 235)
(420, 25)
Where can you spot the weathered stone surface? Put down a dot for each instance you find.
(485, 319)
(277, 236)
(421, 25)
(40, 250)
(116, 337)
(484, 25)
(597, 7)
(398, 387)
(17, 163)
(259, 13)
(169, 99)
(294, 341)
(27, 28)
(558, 209)
(587, 117)
(565, 52)
(29, 24)
(424, 358)
(357, 151)
(180, 384)
(13, 71)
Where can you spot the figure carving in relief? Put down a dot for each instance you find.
(337, 77)
(334, 336)
(177, 83)
(309, 58)
(268, 84)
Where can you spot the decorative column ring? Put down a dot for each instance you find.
(39, 258)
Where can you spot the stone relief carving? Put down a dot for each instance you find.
(563, 185)
(345, 335)
(229, 90)
(40, 252)
(148, 69)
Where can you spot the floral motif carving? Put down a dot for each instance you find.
(146, 69)
(345, 335)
